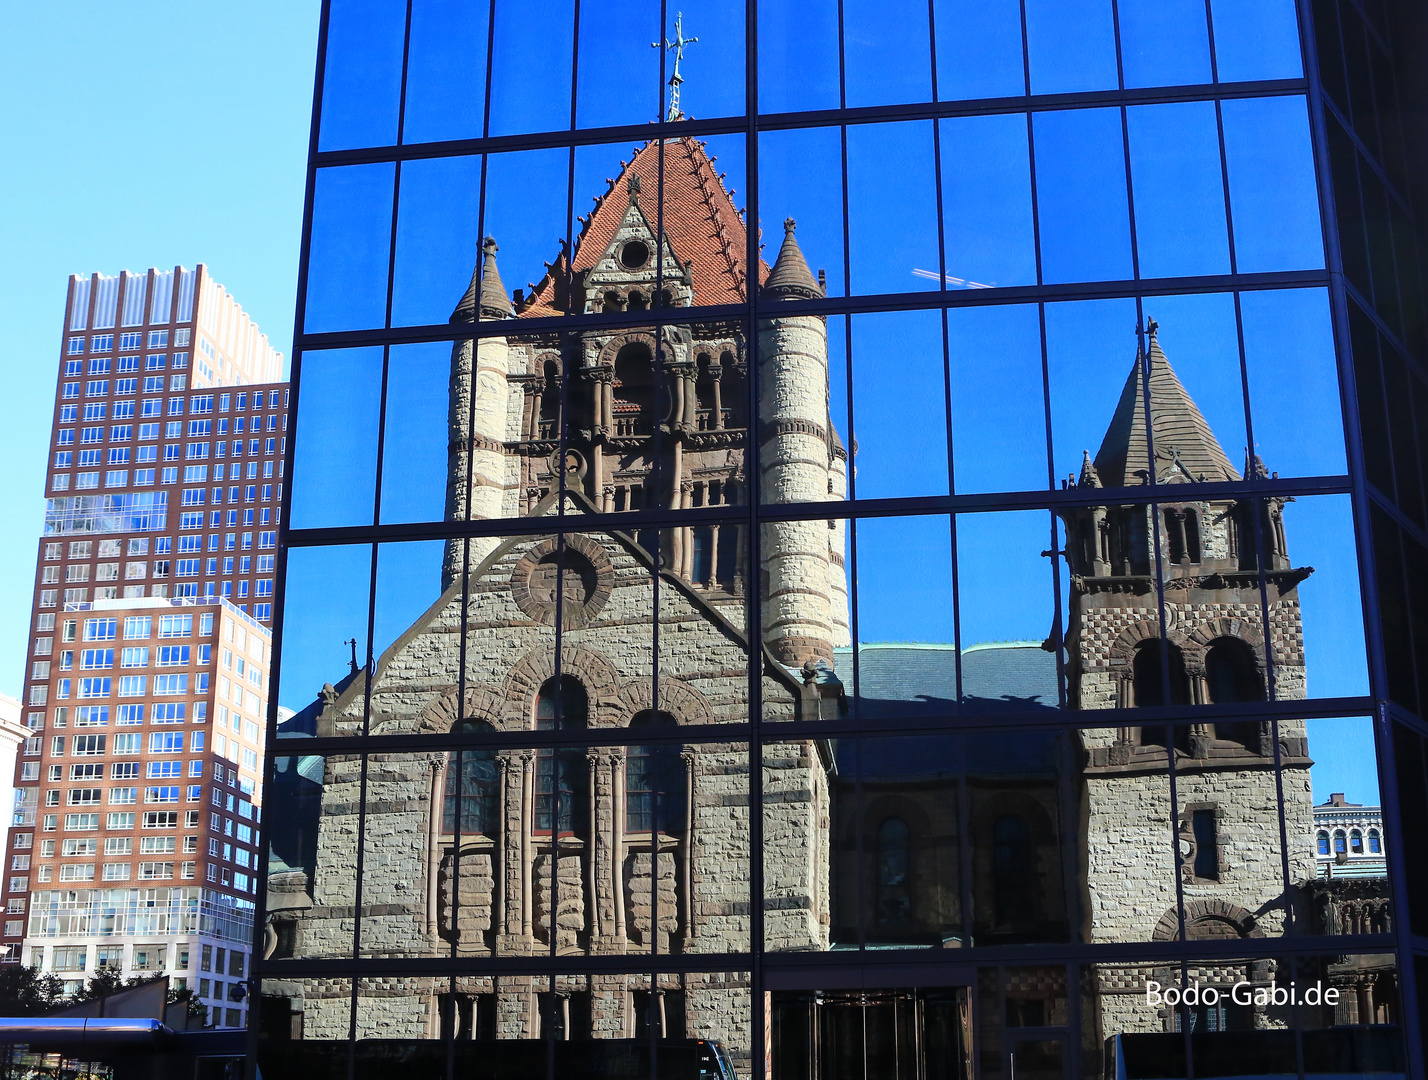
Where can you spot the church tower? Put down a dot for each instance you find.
(1220, 838)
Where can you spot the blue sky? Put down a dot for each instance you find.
(136, 135)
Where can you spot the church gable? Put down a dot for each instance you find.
(608, 599)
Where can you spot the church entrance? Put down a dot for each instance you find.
(895, 1034)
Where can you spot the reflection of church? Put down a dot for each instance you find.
(1005, 838)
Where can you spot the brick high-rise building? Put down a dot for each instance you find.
(132, 834)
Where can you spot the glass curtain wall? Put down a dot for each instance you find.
(606, 745)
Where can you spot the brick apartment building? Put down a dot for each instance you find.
(133, 836)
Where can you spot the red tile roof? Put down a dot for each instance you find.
(700, 221)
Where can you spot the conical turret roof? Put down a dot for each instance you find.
(1185, 447)
(790, 277)
(487, 287)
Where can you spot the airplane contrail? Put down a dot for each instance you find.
(961, 283)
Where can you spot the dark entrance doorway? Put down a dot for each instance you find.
(897, 1034)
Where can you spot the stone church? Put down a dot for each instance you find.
(644, 848)
(606, 852)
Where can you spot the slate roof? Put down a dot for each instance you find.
(701, 222)
(790, 277)
(916, 679)
(495, 303)
(908, 679)
(1176, 425)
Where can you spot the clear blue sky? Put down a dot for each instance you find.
(135, 135)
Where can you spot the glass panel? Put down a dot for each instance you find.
(530, 73)
(1179, 191)
(1293, 382)
(418, 605)
(1274, 200)
(619, 82)
(713, 68)
(870, 1030)
(1310, 542)
(438, 251)
(887, 55)
(446, 71)
(350, 248)
(1227, 821)
(979, 50)
(1022, 1022)
(325, 601)
(1127, 820)
(304, 1027)
(1164, 42)
(527, 212)
(798, 57)
(312, 875)
(998, 407)
(907, 652)
(986, 202)
(362, 73)
(1358, 992)
(1256, 39)
(1006, 612)
(1072, 45)
(800, 178)
(898, 386)
(884, 258)
(335, 458)
(1081, 195)
(1341, 851)
(1081, 339)
(415, 434)
(671, 807)
(803, 588)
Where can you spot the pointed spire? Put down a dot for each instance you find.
(1089, 476)
(1179, 431)
(487, 285)
(790, 278)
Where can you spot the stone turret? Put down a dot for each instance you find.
(477, 414)
(799, 456)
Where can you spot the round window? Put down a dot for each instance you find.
(634, 255)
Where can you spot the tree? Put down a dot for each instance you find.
(24, 991)
(197, 1010)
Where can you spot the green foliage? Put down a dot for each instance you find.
(24, 991)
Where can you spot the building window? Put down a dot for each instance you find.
(1323, 843)
(1375, 846)
(1356, 842)
(562, 782)
(655, 789)
(894, 867)
(1207, 845)
(1012, 872)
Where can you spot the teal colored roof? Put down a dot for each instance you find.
(910, 679)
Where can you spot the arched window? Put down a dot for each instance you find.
(1375, 845)
(473, 778)
(1341, 844)
(703, 562)
(655, 790)
(613, 301)
(637, 301)
(1356, 842)
(1323, 843)
(633, 390)
(562, 780)
(894, 886)
(1149, 675)
(1231, 672)
(550, 402)
(1012, 871)
(1192, 535)
(704, 388)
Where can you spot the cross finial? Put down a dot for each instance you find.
(1151, 326)
(678, 44)
(789, 224)
(353, 641)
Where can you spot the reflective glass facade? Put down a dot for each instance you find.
(854, 539)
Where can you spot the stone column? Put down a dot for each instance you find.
(597, 929)
(715, 372)
(687, 899)
(433, 851)
(527, 834)
(617, 838)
